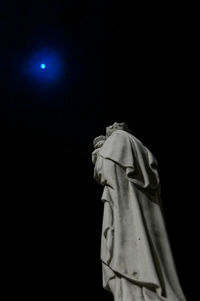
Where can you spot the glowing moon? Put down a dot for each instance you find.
(42, 66)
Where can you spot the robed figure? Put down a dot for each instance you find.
(137, 261)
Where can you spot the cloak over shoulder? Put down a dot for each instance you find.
(135, 244)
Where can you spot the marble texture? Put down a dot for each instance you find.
(137, 262)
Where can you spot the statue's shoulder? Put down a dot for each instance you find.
(118, 137)
(120, 134)
(123, 135)
(116, 141)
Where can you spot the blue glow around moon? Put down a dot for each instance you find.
(45, 66)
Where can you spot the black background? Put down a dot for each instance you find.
(121, 66)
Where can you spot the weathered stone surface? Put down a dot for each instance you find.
(136, 256)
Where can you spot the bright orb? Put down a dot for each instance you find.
(42, 66)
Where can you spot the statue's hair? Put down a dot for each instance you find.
(122, 125)
(117, 126)
(125, 127)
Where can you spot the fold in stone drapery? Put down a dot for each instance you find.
(125, 290)
(135, 246)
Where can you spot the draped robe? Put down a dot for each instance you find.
(136, 256)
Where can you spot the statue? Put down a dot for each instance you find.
(137, 262)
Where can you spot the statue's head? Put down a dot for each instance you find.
(116, 126)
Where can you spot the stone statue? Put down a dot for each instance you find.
(137, 261)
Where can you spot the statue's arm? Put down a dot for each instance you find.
(98, 143)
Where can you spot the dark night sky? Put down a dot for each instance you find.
(116, 65)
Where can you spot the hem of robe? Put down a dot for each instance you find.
(126, 276)
(132, 288)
